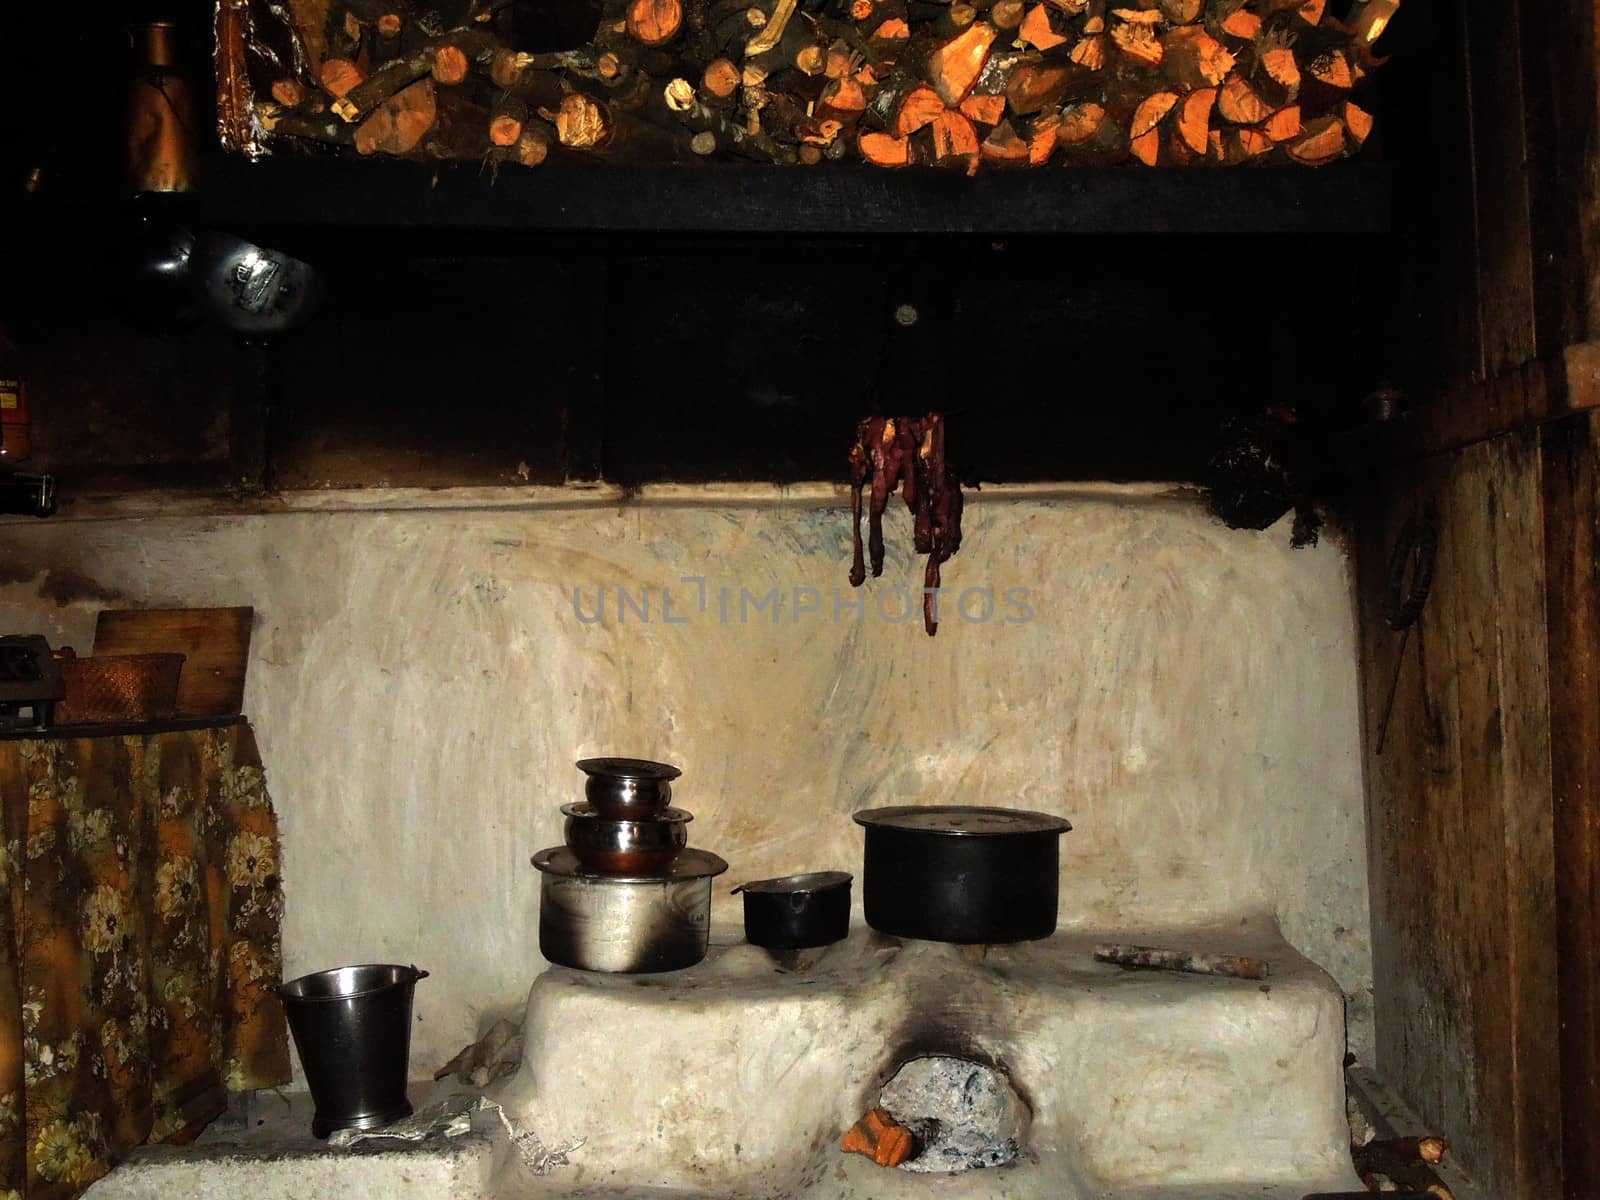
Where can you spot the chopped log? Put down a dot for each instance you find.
(1369, 19)
(446, 59)
(1004, 147)
(530, 150)
(398, 124)
(860, 10)
(319, 126)
(843, 100)
(288, 92)
(984, 110)
(1283, 125)
(1157, 958)
(1151, 112)
(955, 141)
(1043, 139)
(1007, 14)
(773, 31)
(1240, 104)
(1148, 17)
(1182, 12)
(893, 29)
(654, 22)
(720, 78)
(1310, 11)
(1242, 145)
(1194, 120)
(450, 65)
(922, 106)
(1090, 52)
(1138, 43)
(881, 1138)
(1196, 59)
(954, 19)
(1357, 122)
(954, 67)
(1037, 31)
(1242, 24)
(1332, 70)
(885, 150)
(1144, 134)
(1080, 122)
(1322, 142)
(390, 24)
(1279, 67)
(582, 123)
(506, 122)
(729, 135)
(339, 75)
(1037, 86)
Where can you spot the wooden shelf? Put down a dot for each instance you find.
(119, 728)
(1347, 198)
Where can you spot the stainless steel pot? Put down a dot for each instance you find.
(642, 846)
(625, 924)
(627, 787)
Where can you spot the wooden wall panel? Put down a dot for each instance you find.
(1500, 183)
(1460, 818)
(1571, 454)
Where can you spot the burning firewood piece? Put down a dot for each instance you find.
(1156, 958)
(881, 1138)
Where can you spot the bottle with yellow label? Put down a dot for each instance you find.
(14, 440)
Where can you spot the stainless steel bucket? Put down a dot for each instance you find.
(352, 1026)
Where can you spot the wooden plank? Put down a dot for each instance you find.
(1572, 583)
(1460, 817)
(1500, 152)
(1559, 100)
(216, 642)
(1451, 190)
(1522, 666)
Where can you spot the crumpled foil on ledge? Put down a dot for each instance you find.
(456, 1115)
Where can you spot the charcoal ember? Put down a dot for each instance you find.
(965, 1115)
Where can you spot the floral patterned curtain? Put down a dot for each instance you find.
(138, 947)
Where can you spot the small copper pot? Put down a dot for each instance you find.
(613, 846)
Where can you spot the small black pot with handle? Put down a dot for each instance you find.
(797, 912)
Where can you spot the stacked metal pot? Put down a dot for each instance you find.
(626, 893)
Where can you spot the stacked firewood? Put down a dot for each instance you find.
(956, 83)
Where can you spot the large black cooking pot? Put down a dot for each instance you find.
(959, 873)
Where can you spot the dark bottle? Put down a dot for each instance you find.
(15, 442)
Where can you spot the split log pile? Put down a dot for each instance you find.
(953, 83)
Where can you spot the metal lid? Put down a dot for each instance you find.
(961, 820)
(814, 881)
(667, 816)
(628, 768)
(690, 864)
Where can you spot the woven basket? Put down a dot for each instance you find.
(119, 687)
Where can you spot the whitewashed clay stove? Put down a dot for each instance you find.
(737, 1077)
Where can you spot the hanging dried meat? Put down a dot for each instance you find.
(908, 453)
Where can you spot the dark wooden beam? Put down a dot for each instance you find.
(1572, 602)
